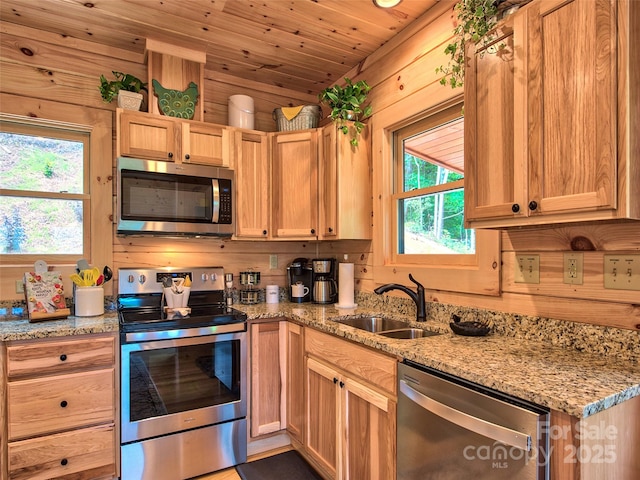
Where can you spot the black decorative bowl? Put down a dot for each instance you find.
(469, 329)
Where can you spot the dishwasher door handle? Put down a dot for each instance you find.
(499, 433)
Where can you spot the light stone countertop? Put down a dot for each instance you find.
(565, 379)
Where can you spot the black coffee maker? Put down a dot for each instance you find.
(300, 275)
(325, 287)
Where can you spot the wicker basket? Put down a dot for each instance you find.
(308, 117)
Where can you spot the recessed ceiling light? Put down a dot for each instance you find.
(386, 3)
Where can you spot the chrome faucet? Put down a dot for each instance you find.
(417, 297)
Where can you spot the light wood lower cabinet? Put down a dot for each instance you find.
(60, 408)
(295, 381)
(268, 377)
(350, 409)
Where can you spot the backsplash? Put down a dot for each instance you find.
(607, 341)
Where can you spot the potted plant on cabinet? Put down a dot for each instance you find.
(125, 87)
(474, 20)
(347, 105)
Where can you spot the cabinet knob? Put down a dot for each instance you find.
(313, 231)
(533, 205)
(335, 380)
(341, 384)
(515, 208)
(63, 357)
(330, 230)
(64, 461)
(170, 155)
(264, 232)
(187, 157)
(63, 403)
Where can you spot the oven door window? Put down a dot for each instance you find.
(148, 196)
(178, 379)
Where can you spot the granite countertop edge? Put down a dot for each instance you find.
(580, 384)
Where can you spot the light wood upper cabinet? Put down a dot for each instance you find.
(345, 186)
(205, 144)
(251, 164)
(350, 408)
(548, 138)
(294, 185)
(157, 137)
(141, 135)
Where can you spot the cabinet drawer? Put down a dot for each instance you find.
(62, 402)
(376, 368)
(82, 454)
(59, 356)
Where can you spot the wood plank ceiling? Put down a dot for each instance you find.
(302, 45)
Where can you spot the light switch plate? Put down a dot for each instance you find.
(622, 272)
(527, 268)
(273, 262)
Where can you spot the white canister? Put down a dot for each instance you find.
(273, 294)
(241, 111)
(89, 301)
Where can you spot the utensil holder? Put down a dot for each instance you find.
(88, 301)
(177, 300)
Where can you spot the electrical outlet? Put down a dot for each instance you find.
(273, 262)
(572, 270)
(19, 286)
(622, 272)
(527, 268)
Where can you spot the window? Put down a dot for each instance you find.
(45, 199)
(428, 187)
(419, 202)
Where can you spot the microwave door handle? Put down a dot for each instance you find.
(498, 433)
(215, 216)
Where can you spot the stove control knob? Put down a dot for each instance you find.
(142, 279)
(214, 277)
(204, 277)
(130, 278)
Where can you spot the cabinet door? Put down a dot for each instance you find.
(81, 454)
(252, 184)
(295, 381)
(345, 186)
(572, 106)
(369, 430)
(322, 415)
(49, 404)
(141, 135)
(205, 144)
(294, 185)
(268, 381)
(495, 125)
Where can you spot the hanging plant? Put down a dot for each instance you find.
(347, 104)
(474, 19)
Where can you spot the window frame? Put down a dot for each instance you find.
(476, 274)
(416, 127)
(62, 131)
(99, 122)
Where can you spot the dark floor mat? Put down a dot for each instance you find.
(289, 465)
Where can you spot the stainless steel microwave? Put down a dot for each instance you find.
(174, 199)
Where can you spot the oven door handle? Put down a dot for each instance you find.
(498, 433)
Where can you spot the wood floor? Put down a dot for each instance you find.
(230, 473)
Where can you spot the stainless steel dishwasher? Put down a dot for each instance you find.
(449, 428)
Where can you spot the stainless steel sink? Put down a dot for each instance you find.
(387, 327)
(373, 324)
(408, 333)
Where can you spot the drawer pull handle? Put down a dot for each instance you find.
(64, 461)
(63, 357)
(63, 403)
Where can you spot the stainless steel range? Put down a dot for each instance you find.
(183, 380)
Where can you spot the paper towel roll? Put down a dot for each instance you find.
(345, 282)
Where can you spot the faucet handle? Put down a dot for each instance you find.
(418, 284)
